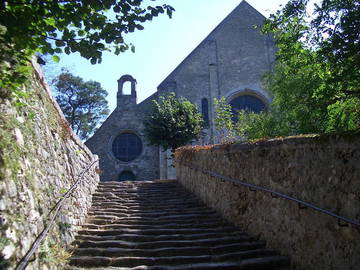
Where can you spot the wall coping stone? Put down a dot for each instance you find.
(288, 142)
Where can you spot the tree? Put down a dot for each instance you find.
(83, 103)
(89, 27)
(316, 78)
(248, 125)
(173, 122)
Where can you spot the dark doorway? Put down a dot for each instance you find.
(127, 176)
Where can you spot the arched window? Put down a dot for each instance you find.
(247, 102)
(127, 176)
(127, 146)
(205, 110)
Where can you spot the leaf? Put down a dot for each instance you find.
(59, 43)
(93, 60)
(63, 191)
(116, 9)
(56, 58)
(81, 33)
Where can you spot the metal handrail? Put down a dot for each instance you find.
(35, 245)
(272, 192)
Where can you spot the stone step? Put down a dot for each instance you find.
(137, 209)
(164, 216)
(181, 218)
(164, 225)
(148, 214)
(140, 188)
(152, 183)
(163, 182)
(173, 193)
(149, 222)
(163, 244)
(146, 187)
(177, 263)
(144, 200)
(168, 192)
(148, 197)
(159, 226)
(244, 250)
(147, 238)
(155, 231)
(153, 206)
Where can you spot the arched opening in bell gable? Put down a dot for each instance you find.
(127, 88)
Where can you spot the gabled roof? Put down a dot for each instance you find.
(147, 101)
(241, 6)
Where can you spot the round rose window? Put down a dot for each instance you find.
(127, 147)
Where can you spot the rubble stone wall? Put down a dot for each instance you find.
(322, 170)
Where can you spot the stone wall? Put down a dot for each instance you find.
(40, 158)
(322, 170)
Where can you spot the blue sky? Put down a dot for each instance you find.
(161, 46)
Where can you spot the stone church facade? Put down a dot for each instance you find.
(229, 62)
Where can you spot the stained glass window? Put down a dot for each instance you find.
(248, 103)
(127, 147)
(205, 110)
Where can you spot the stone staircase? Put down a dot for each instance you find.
(157, 225)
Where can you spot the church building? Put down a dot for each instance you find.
(229, 62)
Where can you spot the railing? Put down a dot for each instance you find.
(55, 210)
(275, 194)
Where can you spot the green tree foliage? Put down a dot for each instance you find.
(13, 67)
(83, 103)
(223, 120)
(173, 122)
(294, 84)
(249, 125)
(88, 27)
(316, 78)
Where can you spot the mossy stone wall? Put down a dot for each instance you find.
(40, 158)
